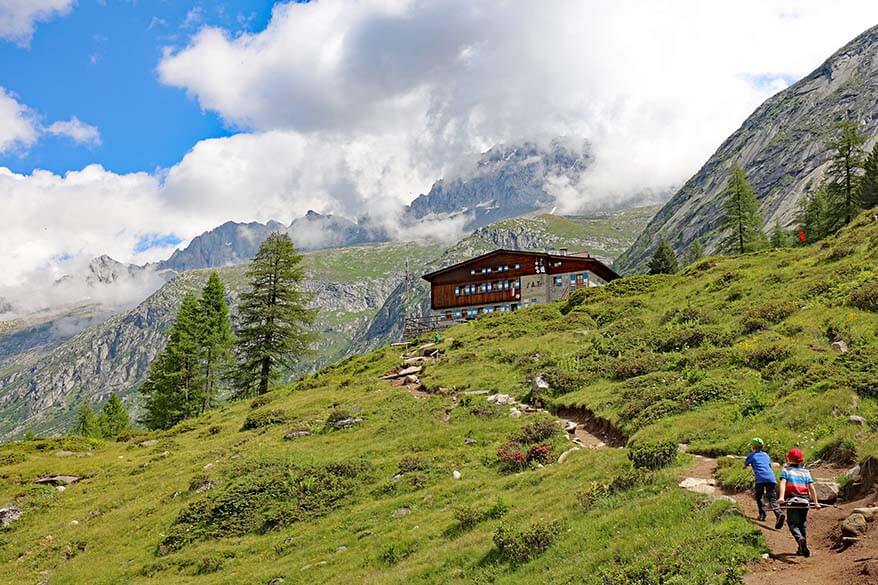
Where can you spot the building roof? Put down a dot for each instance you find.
(607, 272)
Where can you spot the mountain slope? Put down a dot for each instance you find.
(354, 288)
(781, 146)
(732, 347)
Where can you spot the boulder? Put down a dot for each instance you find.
(415, 361)
(699, 486)
(539, 385)
(456, 474)
(854, 525)
(148, 443)
(869, 513)
(296, 434)
(400, 512)
(500, 399)
(839, 346)
(827, 491)
(413, 380)
(8, 515)
(63, 453)
(469, 441)
(514, 412)
(409, 371)
(347, 422)
(58, 480)
(570, 426)
(857, 419)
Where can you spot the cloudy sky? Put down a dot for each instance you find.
(128, 127)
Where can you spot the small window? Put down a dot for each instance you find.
(488, 269)
(572, 278)
(473, 271)
(457, 291)
(517, 266)
(558, 281)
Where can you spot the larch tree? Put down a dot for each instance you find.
(273, 318)
(844, 172)
(172, 389)
(113, 418)
(663, 261)
(814, 218)
(869, 182)
(779, 238)
(742, 215)
(694, 252)
(215, 338)
(86, 424)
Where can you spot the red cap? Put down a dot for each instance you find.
(795, 455)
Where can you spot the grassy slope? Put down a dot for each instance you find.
(710, 383)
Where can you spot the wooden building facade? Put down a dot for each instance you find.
(506, 280)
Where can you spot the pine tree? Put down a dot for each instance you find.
(814, 215)
(844, 172)
(694, 252)
(113, 418)
(868, 194)
(272, 317)
(742, 215)
(216, 339)
(173, 388)
(86, 422)
(663, 261)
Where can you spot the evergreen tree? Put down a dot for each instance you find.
(814, 215)
(173, 388)
(663, 261)
(272, 317)
(780, 238)
(216, 339)
(86, 422)
(113, 418)
(694, 252)
(868, 195)
(742, 215)
(844, 172)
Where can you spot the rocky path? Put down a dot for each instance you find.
(828, 564)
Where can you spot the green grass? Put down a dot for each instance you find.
(671, 358)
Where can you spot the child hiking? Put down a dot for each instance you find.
(766, 486)
(797, 493)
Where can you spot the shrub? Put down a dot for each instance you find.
(732, 475)
(412, 464)
(652, 454)
(396, 552)
(12, 457)
(337, 415)
(755, 401)
(561, 382)
(539, 454)
(536, 431)
(859, 370)
(264, 418)
(519, 546)
(773, 312)
(469, 516)
(762, 355)
(865, 297)
(630, 366)
(710, 390)
(512, 457)
(598, 491)
(261, 401)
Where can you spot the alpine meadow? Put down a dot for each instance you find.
(439, 292)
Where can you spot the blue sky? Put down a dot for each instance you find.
(98, 63)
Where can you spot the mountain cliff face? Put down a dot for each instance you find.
(507, 182)
(781, 146)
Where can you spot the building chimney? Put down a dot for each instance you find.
(563, 251)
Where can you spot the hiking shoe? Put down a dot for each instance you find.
(780, 520)
(805, 551)
(761, 516)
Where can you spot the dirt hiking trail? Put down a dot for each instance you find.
(829, 564)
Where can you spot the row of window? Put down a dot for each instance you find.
(486, 287)
(492, 269)
(559, 280)
(458, 314)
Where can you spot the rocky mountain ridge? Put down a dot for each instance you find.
(782, 147)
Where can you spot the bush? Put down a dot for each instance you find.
(12, 457)
(773, 312)
(859, 370)
(561, 382)
(519, 546)
(710, 390)
(865, 297)
(630, 366)
(337, 415)
(264, 418)
(261, 401)
(469, 516)
(537, 431)
(539, 454)
(412, 464)
(598, 491)
(652, 454)
(396, 552)
(732, 475)
(763, 355)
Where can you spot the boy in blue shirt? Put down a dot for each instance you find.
(766, 484)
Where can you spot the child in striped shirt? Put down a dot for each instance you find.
(797, 493)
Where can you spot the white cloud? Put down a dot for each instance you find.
(17, 17)
(76, 130)
(17, 128)
(354, 107)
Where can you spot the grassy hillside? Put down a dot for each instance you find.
(730, 348)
